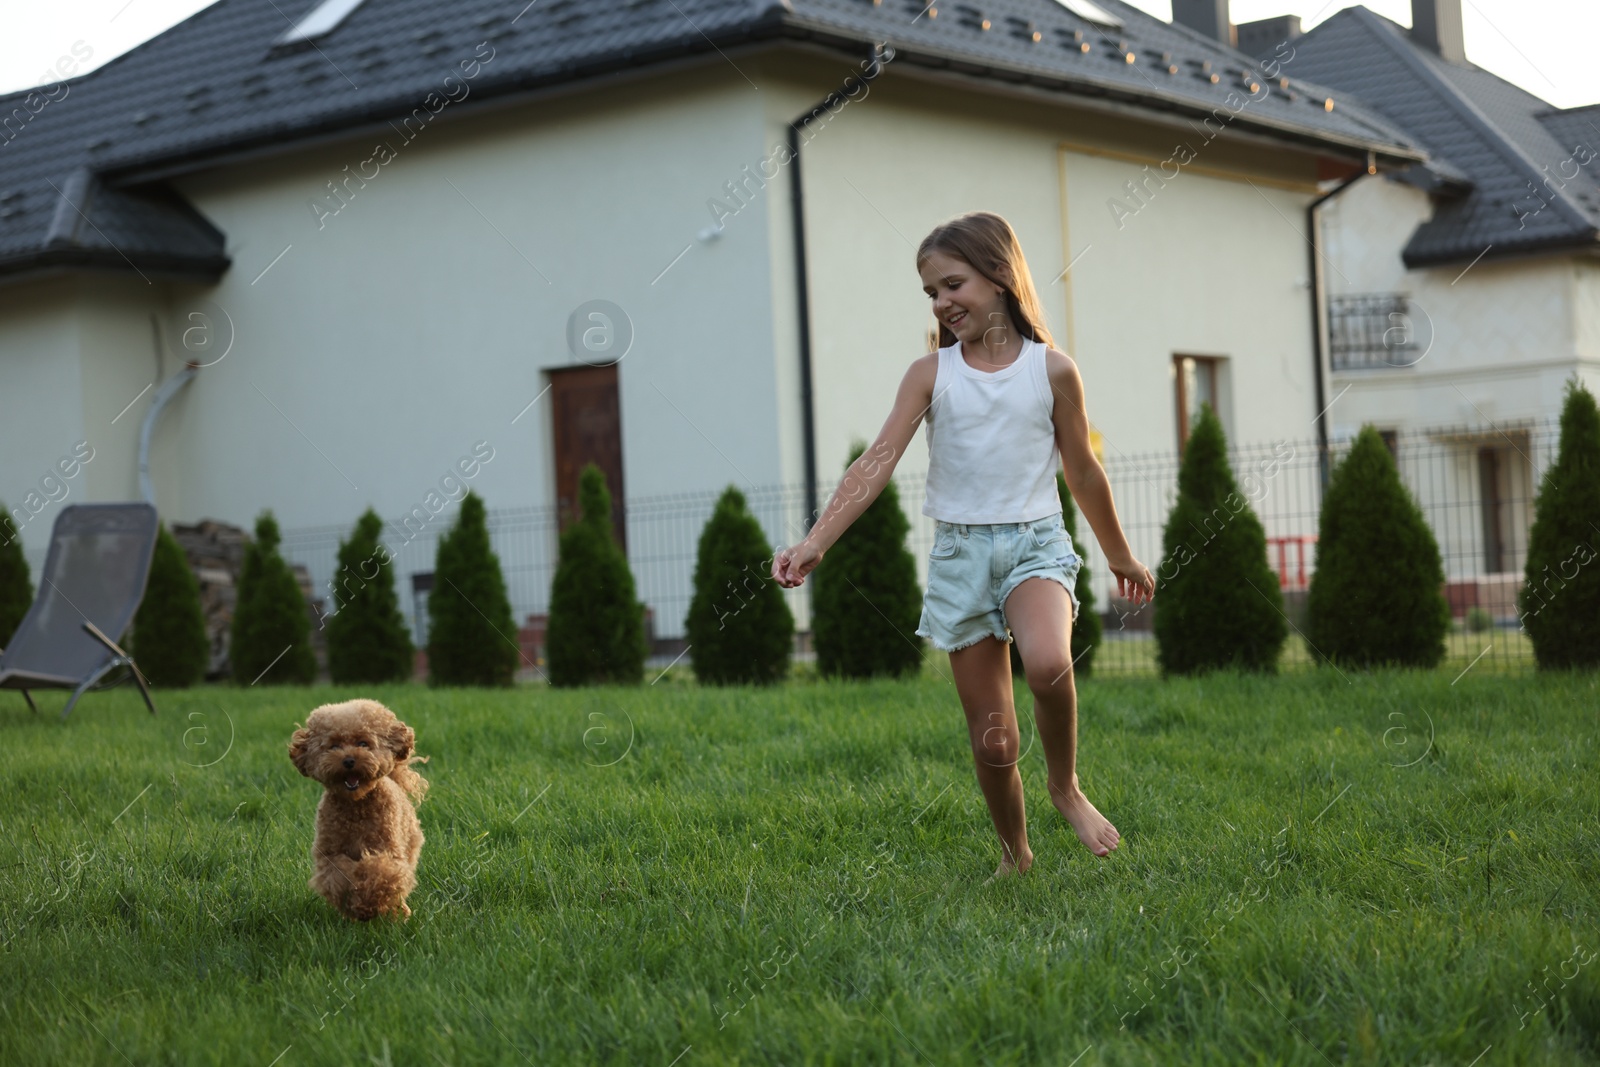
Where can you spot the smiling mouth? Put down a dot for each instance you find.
(353, 782)
(957, 320)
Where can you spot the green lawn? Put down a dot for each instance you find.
(1133, 652)
(1318, 868)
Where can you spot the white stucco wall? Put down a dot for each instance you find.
(75, 351)
(1586, 320)
(417, 320)
(41, 412)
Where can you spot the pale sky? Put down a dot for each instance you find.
(1545, 46)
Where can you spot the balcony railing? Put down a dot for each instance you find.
(1371, 330)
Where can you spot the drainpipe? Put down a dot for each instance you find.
(1319, 317)
(169, 389)
(148, 427)
(802, 299)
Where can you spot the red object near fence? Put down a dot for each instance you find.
(1281, 544)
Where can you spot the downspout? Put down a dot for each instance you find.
(1319, 317)
(168, 390)
(802, 296)
(147, 428)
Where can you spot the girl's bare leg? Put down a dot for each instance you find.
(1039, 612)
(983, 681)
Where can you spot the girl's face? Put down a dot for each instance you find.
(964, 301)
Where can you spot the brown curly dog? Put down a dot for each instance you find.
(368, 837)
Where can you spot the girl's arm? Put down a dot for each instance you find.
(866, 477)
(1091, 489)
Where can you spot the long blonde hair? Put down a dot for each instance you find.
(987, 243)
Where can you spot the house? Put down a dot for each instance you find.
(1463, 290)
(319, 255)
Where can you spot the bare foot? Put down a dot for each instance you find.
(1008, 866)
(1093, 829)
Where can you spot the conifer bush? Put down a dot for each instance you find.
(596, 630)
(1087, 628)
(16, 587)
(368, 640)
(1560, 599)
(169, 640)
(472, 638)
(1217, 601)
(739, 627)
(1377, 594)
(270, 626)
(865, 601)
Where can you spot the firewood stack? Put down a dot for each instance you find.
(215, 551)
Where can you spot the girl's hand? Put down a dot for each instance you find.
(1135, 583)
(790, 567)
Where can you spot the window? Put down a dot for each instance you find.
(1505, 490)
(1489, 479)
(421, 586)
(1391, 440)
(1198, 380)
(322, 19)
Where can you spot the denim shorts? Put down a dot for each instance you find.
(974, 567)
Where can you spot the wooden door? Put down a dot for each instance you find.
(588, 429)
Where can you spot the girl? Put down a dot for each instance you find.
(1001, 405)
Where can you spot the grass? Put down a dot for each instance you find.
(1316, 868)
(1504, 649)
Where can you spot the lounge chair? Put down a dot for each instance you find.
(92, 583)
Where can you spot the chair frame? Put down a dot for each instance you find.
(119, 658)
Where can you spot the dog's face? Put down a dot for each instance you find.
(348, 747)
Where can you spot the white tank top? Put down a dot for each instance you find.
(992, 454)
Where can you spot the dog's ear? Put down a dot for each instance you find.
(402, 741)
(300, 749)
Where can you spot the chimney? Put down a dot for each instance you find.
(1210, 17)
(1436, 25)
(1262, 37)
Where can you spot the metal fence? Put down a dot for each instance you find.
(1475, 486)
